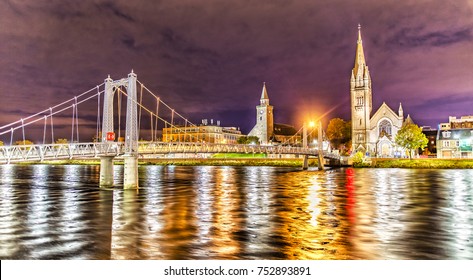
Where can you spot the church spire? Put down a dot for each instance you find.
(360, 62)
(264, 95)
(401, 111)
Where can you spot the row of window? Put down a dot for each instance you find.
(456, 143)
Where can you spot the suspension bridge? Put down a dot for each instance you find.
(145, 114)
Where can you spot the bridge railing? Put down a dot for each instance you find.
(198, 147)
(29, 153)
(24, 153)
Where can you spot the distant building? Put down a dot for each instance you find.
(264, 127)
(431, 134)
(266, 130)
(205, 132)
(373, 135)
(455, 138)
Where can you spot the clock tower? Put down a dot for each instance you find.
(264, 119)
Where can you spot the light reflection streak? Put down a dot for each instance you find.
(9, 222)
(258, 198)
(389, 200)
(126, 229)
(314, 201)
(154, 205)
(237, 213)
(72, 220)
(461, 226)
(225, 218)
(205, 184)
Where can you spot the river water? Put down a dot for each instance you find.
(205, 212)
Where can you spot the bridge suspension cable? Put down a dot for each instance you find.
(43, 116)
(173, 112)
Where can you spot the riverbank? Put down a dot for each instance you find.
(230, 162)
(285, 162)
(430, 163)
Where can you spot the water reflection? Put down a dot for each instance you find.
(58, 212)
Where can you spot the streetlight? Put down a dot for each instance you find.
(319, 142)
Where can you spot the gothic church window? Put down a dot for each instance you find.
(385, 128)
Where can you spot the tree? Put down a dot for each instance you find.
(61, 141)
(248, 140)
(410, 137)
(1, 143)
(24, 142)
(339, 134)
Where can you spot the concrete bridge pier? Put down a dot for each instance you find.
(106, 171)
(130, 172)
(320, 162)
(305, 162)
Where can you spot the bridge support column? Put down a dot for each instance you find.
(106, 171)
(320, 161)
(305, 162)
(130, 172)
(320, 148)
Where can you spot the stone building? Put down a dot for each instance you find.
(266, 130)
(372, 134)
(205, 132)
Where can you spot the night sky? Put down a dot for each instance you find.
(209, 59)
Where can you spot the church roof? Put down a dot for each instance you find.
(264, 93)
(408, 120)
(284, 129)
(385, 111)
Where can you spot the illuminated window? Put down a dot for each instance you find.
(385, 128)
(446, 134)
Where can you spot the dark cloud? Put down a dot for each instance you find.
(413, 38)
(209, 59)
(111, 8)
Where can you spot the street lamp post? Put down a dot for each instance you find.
(305, 164)
(320, 148)
(305, 161)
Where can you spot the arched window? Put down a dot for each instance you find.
(385, 128)
(359, 101)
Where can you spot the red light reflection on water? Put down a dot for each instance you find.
(351, 200)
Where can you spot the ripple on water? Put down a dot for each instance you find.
(58, 212)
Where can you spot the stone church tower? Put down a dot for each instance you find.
(361, 100)
(264, 119)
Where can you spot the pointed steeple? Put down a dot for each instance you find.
(408, 120)
(401, 111)
(264, 95)
(360, 62)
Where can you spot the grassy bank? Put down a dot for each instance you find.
(235, 161)
(230, 162)
(423, 163)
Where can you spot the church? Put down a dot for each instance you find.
(266, 130)
(373, 135)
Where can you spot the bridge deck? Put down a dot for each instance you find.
(34, 153)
